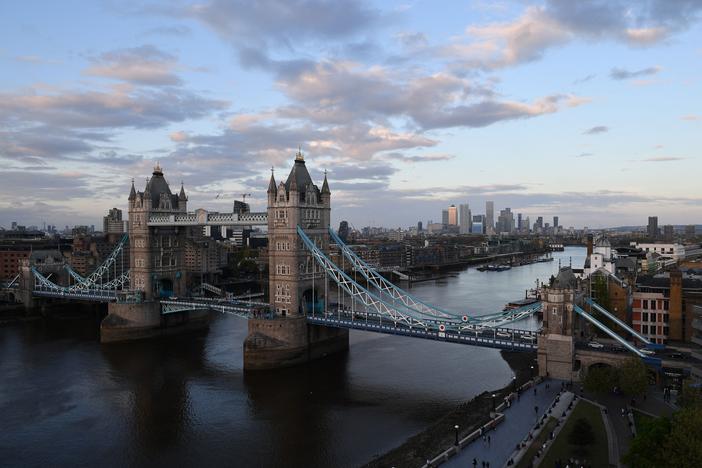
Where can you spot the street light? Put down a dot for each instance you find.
(456, 428)
(532, 371)
(493, 402)
(514, 384)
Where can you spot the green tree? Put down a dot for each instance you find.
(645, 450)
(600, 379)
(669, 443)
(633, 377)
(581, 435)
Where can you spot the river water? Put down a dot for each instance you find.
(66, 400)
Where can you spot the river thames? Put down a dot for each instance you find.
(66, 400)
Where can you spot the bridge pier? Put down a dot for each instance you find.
(289, 341)
(143, 320)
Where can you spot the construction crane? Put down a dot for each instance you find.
(244, 195)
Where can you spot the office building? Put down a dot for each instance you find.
(419, 226)
(489, 217)
(465, 218)
(444, 218)
(452, 215)
(555, 223)
(652, 227)
(505, 222)
(668, 233)
(478, 224)
(113, 223)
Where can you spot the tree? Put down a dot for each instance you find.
(633, 377)
(668, 443)
(683, 446)
(600, 379)
(645, 450)
(581, 435)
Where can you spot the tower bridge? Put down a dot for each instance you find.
(312, 301)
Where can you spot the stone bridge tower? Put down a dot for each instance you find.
(157, 254)
(296, 281)
(556, 354)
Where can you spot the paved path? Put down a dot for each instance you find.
(519, 420)
(653, 404)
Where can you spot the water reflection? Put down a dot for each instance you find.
(66, 400)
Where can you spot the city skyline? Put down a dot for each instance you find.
(409, 107)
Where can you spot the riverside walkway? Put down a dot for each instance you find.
(519, 420)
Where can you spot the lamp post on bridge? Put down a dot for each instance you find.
(532, 371)
(493, 402)
(456, 429)
(514, 384)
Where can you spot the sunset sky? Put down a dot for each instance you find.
(590, 110)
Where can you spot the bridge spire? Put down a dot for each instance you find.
(181, 195)
(271, 184)
(299, 156)
(325, 184)
(132, 192)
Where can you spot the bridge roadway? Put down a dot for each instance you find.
(474, 335)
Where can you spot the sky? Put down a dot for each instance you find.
(589, 110)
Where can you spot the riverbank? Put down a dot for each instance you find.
(469, 416)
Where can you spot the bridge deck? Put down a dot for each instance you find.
(486, 337)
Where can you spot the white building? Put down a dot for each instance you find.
(602, 257)
(669, 251)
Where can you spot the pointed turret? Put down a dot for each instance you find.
(325, 185)
(132, 193)
(181, 195)
(271, 184)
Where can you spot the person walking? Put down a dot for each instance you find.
(489, 441)
(475, 463)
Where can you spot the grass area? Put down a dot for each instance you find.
(525, 462)
(641, 418)
(597, 454)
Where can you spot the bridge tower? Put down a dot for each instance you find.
(157, 258)
(297, 284)
(556, 354)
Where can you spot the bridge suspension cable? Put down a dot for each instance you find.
(396, 293)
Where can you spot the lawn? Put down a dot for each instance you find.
(641, 418)
(597, 454)
(537, 443)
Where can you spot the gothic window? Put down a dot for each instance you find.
(139, 262)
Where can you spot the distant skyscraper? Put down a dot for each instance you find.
(668, 232)
(489, 217)
(555, 222)
(444, 217)
(505, 222)
(419, 226)
(653, 227)
(344, 230)
(453, 215)
(465, 218)
(539, 224)
(112, 223)
(519, 221)
(478, 226)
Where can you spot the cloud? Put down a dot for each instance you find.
(596, 130)
(417, 158)
(622, 74)
(119, 106)
(179, 136)
(584, 155)
(145, 65)
(691, 117)
(584, 79)
(329, 94)
(283, 23)
(663, 159)
(178, 30)
(559, 22)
